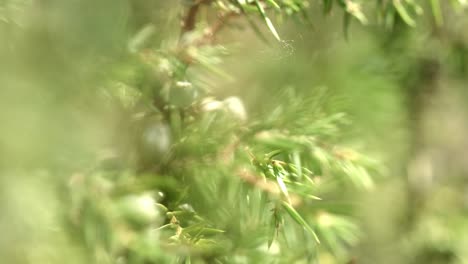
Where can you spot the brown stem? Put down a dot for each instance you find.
(189, 21)
(205, 39)
(216, 27)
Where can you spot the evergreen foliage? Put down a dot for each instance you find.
(187, 174)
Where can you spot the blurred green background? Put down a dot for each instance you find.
(403, 91)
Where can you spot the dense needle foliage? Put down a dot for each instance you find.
(207, 131)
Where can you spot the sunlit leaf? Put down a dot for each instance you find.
(282, 187)
(298, 218)
(268, 22)
(274, 4)
(399, 6)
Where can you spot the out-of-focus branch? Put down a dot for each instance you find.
(217, 26)
(190, 18)
(206, 38)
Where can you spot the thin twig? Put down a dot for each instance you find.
(205, 39)
(216, 27)
(189, 21)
